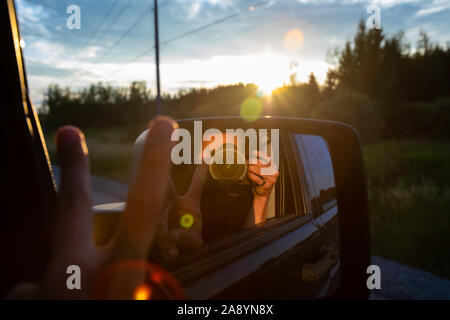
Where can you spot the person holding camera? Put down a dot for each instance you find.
(211, 209)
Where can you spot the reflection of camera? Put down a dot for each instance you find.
(235, 171)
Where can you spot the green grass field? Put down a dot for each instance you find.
(110, 152)
(409, 193)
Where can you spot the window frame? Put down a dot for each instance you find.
(310, 205)
(320, 211)
(25, 150)
(224, 251)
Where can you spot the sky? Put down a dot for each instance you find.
(263, 43)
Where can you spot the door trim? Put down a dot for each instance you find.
(221, 278)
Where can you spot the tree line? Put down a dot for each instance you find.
(378, 84)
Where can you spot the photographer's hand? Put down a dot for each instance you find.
(73, 242)
(264, 183)
(262, 189)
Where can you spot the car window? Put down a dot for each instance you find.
(316, 161)
(292, 196)
(227, 206)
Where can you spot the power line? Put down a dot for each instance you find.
(125, 8)
(131, 61)
(136, 22)
(107, 13)
(117, 17)
(190, 32)
(211, 24)
(97, 28)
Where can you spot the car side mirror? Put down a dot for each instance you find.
(344, 148)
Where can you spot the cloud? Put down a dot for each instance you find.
(381, 3)
(30, 13)
(31, 17)
(43, 69)
(44, 50)
(427, 7)
(434, 7)
(193, 7)
(90, 52)
(392, 3)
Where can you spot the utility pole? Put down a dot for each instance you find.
(158, 85)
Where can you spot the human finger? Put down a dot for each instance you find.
(74, 220)
(147, 195)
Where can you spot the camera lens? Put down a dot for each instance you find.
(228, 171)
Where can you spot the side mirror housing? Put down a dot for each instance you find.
(351, 189)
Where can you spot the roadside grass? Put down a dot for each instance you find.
(409, 198)
(409, 193)
(110, 152)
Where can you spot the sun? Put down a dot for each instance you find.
(267, 86)
(269, 72)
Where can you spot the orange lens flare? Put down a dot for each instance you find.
(157, 277)
(143, 292)
(293, 40)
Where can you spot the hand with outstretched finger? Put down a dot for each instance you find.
(181, 226)
(73, 242)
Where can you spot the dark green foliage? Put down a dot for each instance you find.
(409, 197)
(355, 109)
(97, 106)
(386, 68)
(416, 119)
(219, 101)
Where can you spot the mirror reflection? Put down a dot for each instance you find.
(215, 201)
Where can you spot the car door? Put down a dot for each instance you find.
(314, 155)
